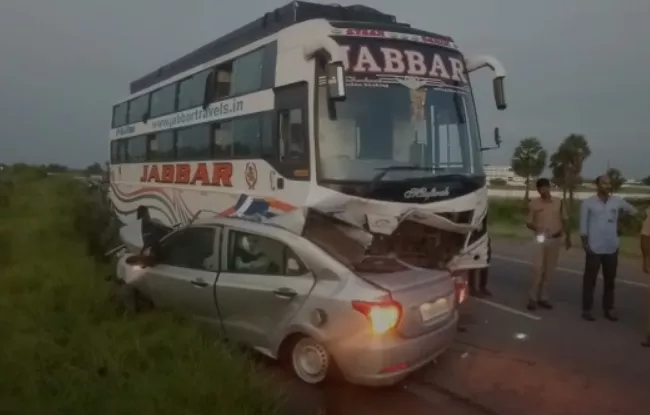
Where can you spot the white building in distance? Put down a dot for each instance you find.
(504, 173)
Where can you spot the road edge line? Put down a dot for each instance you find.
(567, 270)
(509, 309)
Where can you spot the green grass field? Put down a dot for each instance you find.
(507, 218)
(66, 346)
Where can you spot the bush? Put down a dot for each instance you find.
(498, 182)
(67, 349)
(26, 173)
(6, 187)
(93, 220)
(513, 212)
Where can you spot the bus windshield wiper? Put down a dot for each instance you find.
(385, 170)
(461, 177)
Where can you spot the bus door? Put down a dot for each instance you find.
(291, 134)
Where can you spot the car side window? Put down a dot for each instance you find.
(192, 248)
(255, 254)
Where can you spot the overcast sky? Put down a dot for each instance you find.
(574, 66)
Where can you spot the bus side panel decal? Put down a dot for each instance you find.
(232, 107)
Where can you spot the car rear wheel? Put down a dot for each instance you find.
(311, 361)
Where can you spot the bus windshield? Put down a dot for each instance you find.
(409, 127)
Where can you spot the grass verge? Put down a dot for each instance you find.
(67, 349)
(507, 218)
(622, 191)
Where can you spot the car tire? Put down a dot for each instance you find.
(310, 361)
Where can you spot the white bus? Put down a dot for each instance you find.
(318, 114)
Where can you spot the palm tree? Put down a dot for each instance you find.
(616, 179)
(529, 160)
(566, 164)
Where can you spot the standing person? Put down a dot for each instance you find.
(599, 234)
(645, 251)
(547, 217)
(482, 275)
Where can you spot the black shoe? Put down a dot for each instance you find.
(472, 292)
(545, 305)
(586, 315)
(532, 306)
(611, 316)
(485, 292)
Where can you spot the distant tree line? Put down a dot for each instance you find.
(530, 159)
(54, 168)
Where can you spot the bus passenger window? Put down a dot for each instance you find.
(248, 73)
(137, 149)
(163, 101)
(193, 143)
(138, 109)
(119, 114)
(123, 150)
(292, 135)
(161, 146)
(247, 136)
(152, 146)
(224, 81)
(116, 156)
(192, 90)
(222, 136)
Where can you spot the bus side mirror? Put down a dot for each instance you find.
(497, 137)
(335, 81)
(499, 93)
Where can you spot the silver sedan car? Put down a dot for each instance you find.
(374, 321)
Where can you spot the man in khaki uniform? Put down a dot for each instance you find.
(548, 219)
(645, 251)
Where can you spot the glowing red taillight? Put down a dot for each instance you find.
(382, 316)
(459, 277)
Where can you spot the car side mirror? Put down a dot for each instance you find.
(335, 80)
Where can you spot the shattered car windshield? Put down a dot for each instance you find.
(350, 245)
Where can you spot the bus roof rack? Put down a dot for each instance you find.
(272, 22)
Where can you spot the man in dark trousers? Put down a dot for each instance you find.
(599, 233)
(482, 275)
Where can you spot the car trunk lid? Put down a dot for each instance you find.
(427, 296)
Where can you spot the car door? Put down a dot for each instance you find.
(258, 301)
(186, 270)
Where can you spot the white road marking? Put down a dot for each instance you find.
(567, 270)
(507, 309)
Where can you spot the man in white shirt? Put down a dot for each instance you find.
(599, 233)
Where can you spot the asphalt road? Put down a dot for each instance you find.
(512, 362)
